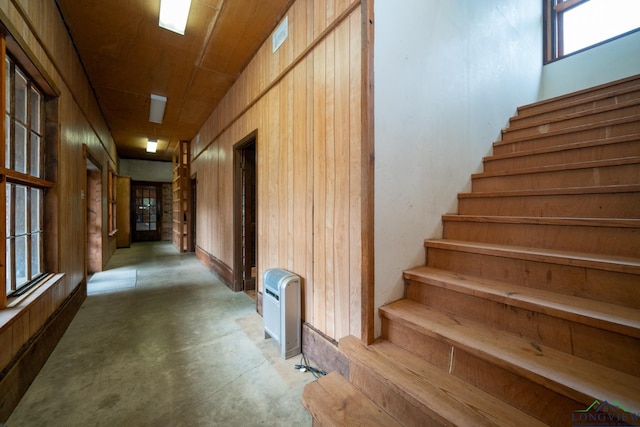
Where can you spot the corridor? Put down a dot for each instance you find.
(161, 341)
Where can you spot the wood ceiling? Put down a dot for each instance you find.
(127, 56)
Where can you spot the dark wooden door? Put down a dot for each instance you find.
(146, 205)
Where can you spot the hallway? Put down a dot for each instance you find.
(161, 341)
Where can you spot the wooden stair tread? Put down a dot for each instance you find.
(569, 116)
(562, 167)
(573, 129)
(447, 398)
(615, 263)
(576, 378)
(333, 401)
(536, 220)
(564, 147)
(612, 317)
(601, 189)
(618, 87)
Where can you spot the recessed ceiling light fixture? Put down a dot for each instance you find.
(174, 14)
(156, 110)
(152, 145)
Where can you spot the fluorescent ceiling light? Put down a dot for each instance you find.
(156, 110)
(174, 14)
(152, 145)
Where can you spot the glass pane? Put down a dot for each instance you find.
(7, 84)
(598, 20)
(35, 110)
(20, 144)
(36, 210)
(20, 112)
(145, 201)
(21, 261)
(35, 254)
(9, 210)
(152, 201)
(152, 226)
(9, 282)
(142, 226)
(34, 167)
(7, 142)
(21, 210)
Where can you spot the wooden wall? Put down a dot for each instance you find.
(305, 101)
(38, 29)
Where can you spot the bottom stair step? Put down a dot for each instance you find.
(333, 401)
(418, 393)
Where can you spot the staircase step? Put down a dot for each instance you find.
(625, 171)
(567, 375)
(548, 318)
(584, 151)
(333, 401)
(611, 279)
(597, 235)
(594, 94)
(615, 201)
(417, 393)
(610, 317)
(537, 113)
(516, 130)
(601, 130)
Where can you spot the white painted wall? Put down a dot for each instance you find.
(448, 75)
(147, 170)
(614, 60)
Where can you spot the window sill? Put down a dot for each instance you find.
(15, 306)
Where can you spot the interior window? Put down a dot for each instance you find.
(573, 25)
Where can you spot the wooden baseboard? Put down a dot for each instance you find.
(217, 267)
(25, 366)
(324, 351)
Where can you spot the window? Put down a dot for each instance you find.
(574, 25)
(24, 184)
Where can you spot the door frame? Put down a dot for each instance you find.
(250, 140)
(92, 168)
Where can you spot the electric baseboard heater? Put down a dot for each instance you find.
(281, 310)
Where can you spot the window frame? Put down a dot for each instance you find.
(554, 11)
(49, 144)
(30, 178)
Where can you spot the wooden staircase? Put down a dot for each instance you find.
(529, 308)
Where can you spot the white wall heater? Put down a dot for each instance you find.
(281, 310)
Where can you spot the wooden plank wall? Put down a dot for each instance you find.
(37, 27)
(305, 102)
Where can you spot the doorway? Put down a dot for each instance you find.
(192, 201)
(93, 208)
(146, 212)
(245, 215)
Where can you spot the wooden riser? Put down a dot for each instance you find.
(612, 237)
(596, 131)
(581, 152)
(614, 350)
(538, 401)
(620, 202)
(562, 123)
(577, 107)
(333, 401)
(597, 278)
(419, 394)
(532, 361)
(588, 174)
(580, 97)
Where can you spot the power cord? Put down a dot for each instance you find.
(304, 366)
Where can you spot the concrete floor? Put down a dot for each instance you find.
(161, 341)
